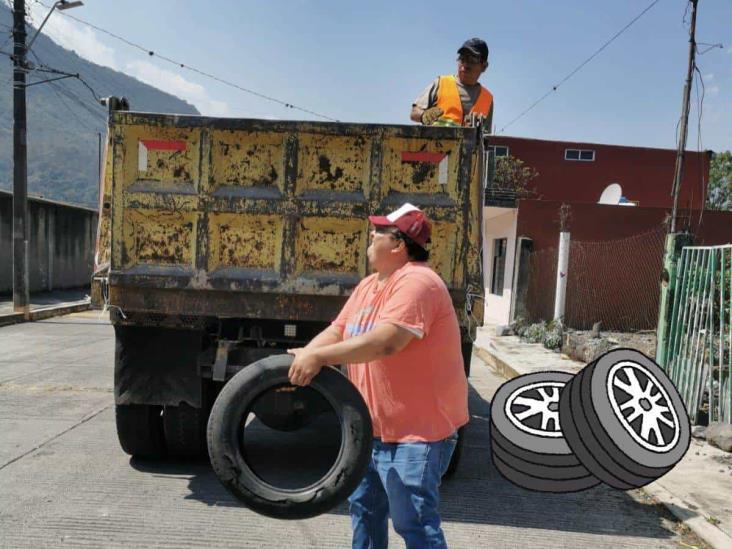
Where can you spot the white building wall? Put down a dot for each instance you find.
(498, 223)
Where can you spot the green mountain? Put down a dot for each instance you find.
(64, 118)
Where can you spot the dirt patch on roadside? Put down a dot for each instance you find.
(586, 346)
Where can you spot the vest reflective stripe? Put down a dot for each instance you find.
(448, 99)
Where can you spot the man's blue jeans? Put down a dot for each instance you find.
(402, 481)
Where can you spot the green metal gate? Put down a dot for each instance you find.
(698, 354)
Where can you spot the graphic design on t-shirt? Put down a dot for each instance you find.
(360, 323)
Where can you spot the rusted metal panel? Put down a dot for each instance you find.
(158, 237)
(331, 245)
(422, 166)
(244, 241)
(275, 213)
(104, 227)
(242, 161)
(333, 164)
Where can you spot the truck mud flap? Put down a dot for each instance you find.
(228, 451)
(156, 366)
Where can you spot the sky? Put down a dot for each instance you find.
(366, 61)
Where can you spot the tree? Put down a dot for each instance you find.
(513, 175)
(719, 191)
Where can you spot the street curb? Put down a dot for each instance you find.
(697, 523)
(44, 312)
(503, 368)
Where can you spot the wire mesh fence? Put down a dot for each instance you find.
(614, 282)
(539, 301)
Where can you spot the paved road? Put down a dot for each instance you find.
(64, 482)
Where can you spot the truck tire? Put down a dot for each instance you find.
(457, 454)
(140, 430)
(467, 350)
(231, 409)
(185, 431)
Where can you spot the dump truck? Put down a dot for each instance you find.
(223, 241)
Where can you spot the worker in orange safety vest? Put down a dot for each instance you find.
(458, 100)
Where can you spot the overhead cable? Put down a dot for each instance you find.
(577, 69)
(152, 53)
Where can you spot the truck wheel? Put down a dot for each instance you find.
(287, 410)
(467, 349)
(457, 454)
(226, 449)
(185, 430)
(140, 430)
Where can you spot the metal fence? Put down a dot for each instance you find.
(699, 344)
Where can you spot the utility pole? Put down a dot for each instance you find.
(675, 242)
(20, 165)
(684, 117)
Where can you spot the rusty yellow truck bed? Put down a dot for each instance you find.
(268, 219)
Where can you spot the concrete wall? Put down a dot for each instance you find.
(60, 246)
(498, 223)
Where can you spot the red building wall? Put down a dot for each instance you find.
(645, 174)
(615, 261)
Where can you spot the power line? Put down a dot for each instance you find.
(577, 69)
(151, 53)
(55, 88)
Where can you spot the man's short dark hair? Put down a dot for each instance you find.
(415, 252)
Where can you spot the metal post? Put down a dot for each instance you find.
(562, 264)
(684, 118)
(20, 166)
(668, 304)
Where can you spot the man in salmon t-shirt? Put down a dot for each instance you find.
(399, 335)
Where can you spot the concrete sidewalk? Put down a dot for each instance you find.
(46, 305)
(698, 490)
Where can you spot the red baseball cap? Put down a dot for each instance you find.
(408, 219)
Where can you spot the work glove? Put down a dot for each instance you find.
(430, 116)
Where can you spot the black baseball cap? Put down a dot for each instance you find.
(477, 47)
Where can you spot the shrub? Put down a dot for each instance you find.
(535, 333)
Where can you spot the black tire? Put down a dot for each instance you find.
(185, 431)
(232, 407)
(524, 480)
(140, 430)
(457, 454)
(626, 454)
(467, 351)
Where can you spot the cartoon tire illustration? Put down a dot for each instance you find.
(624, 419)
(527, 443)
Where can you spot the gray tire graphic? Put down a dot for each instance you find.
(581, 439)
(520, 478)
(553, 460)
(526, 438)
(539, 470)
(624, 419)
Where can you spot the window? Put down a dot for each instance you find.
(498, 150)
(499, 265)
(586, 155)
